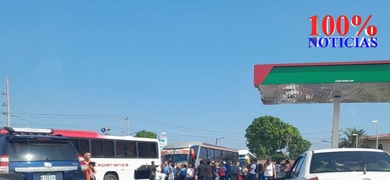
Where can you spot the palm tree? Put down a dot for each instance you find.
(349, 141)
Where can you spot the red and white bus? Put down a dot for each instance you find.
(116, 157)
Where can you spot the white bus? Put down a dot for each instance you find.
(246, 157)
(116, 157)
(193, 152)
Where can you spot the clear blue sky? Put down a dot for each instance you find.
(171, 64)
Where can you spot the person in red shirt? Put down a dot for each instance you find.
(90, 172)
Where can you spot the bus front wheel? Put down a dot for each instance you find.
(110, 177)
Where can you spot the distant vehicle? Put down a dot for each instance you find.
(34, 154)
(246, 157)
(193, 152)
(341, 164)
(116, 157)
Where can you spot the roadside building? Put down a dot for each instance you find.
(383, 141)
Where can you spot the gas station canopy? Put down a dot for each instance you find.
(353, 82)
(340, 82)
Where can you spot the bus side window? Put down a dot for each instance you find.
(229, 155)
(217, 154)
(108, 148)
(75, 143)
(120, 148)
(82, 145)
(125, 149)
(147, 149)
(203, 153)
(131, 149)
(97, 148)
(210, 154)
(223, 155)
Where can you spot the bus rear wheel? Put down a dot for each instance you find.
(110, 177)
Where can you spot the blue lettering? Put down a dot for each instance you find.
(341, 42)
(333, 42)
(313, 41)
(321, 43)
(374, 42)
(364, 40)
(357, 44)
(346, 42)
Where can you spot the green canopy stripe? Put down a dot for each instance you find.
(365, 73)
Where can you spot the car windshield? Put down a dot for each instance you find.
(176, 157)
(41, 150)
(350, 161)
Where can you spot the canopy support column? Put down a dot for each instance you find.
(336, 122)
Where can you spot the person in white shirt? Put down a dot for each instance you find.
(269, 170)
(252, 171)
(190, 172)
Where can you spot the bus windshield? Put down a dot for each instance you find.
(176, 155)
(176, 158)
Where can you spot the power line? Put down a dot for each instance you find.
(312, 133)
(48, 104)
(183, 127)
(140, 119)
(69, 115)
(17, 99)
(27, 120)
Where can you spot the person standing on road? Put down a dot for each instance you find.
(244, 172)
(165, 169)
(259, 171)
(209, 171)
(234, 169)
(153, 169)
(222, 171)
(201, 171)
(90, 172)
(287, 166)
(228, 170)
(252, 170)
(278, 168)
(269, 170)
(214, 167)
(171, 171)
(183, 172)
(190, 172)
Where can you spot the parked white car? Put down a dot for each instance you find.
(341, 164)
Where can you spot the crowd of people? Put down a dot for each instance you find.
(227, 170)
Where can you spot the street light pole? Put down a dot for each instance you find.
(216, 140)
(377, 129)
(357, 137)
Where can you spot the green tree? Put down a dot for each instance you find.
(278, 157)
(146, 134)
(267, 134)
(349, 139)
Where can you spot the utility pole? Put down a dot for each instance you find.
(127, 125)
(8, 113)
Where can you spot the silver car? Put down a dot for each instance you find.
(341, 164)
